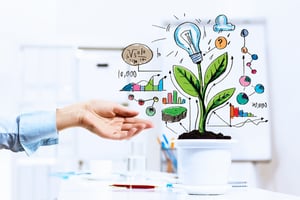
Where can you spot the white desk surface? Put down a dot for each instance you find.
(82, 188)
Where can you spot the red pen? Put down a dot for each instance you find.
(134, 186)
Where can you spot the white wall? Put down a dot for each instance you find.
(117, 23)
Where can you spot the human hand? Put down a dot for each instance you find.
(105, 119)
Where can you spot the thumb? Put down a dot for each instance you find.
(123, 111)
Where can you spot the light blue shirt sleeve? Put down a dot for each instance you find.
(29, 131)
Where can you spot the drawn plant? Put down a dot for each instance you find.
(187, 36)
(196, 86)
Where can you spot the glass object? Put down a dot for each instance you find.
(136, 160)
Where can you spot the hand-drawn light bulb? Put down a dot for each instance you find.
(187, 36)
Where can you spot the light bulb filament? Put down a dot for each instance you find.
(187, 36)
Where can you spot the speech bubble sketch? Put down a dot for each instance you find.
(138, 54)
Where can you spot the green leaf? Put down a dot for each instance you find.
(187, 81)
(216, 68)
(220, 98)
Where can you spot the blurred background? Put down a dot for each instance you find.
(49, 53)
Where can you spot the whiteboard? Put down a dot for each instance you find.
(246, 116)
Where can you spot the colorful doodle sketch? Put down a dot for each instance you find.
(210, 78)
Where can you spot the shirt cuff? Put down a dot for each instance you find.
(37, 129)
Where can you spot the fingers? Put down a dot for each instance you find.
(147, 123)
(124, 111)
(122, 135)
(135, 130)
(127, 131)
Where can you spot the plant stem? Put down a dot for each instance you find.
(202, 118)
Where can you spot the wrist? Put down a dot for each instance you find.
(69, 116)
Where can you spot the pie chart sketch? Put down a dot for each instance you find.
(245, 81)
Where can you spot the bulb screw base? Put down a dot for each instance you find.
(196, 57)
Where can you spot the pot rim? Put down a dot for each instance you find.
(204, 143)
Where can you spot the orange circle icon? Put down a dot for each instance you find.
(221, 42)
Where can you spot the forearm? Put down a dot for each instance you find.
(68, 116)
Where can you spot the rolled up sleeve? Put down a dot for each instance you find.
(37, 129)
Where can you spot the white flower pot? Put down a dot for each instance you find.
(204, 164)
